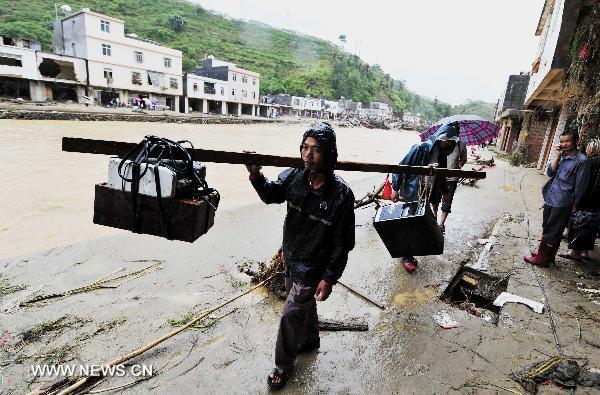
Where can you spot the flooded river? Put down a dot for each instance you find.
(47, 198)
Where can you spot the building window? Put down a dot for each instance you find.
(222, 91)
(173, 83)
(167, 62)
(105, 26)
(244, 79)
(136, 78)
(234, 77)
(106, 50)
(73, 49)
(139, 57)
(244, 93)
(108, 75)
(195, 86)
(254, 95)
(253, 81)
(233, 92)
(8, 59)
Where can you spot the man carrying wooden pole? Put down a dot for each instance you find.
(318, 234)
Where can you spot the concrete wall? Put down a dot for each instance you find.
(535, 135)
(554, 46)
(28, 68)
(548, 41)
(514, 96)
(78, 65)
(199, 93)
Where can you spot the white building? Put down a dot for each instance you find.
(28, 72)
(241, 86)
(331, 109)
(204, 94)
(307, 106)
(376, 110)
(313, 107)
(349, 107)
(120, 65)
(410, 118)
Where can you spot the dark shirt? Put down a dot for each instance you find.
(568, 183)
(591, 198)
(318, 232)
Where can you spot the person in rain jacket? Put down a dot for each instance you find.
(431, 152)
(318, 234)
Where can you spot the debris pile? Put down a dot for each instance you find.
(561, 371)
(260, 271)
(372, 123)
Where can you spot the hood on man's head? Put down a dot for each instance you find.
(325, 135)
(448, 137)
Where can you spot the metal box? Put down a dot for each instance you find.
(409, 229)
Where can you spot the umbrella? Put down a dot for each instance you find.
(474, 130)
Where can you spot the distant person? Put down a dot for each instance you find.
(431, 152)
(563, 193)
(446, 188)
(318, 234)
(583, 226)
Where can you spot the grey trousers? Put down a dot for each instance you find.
(299, 324)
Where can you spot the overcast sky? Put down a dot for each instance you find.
(450, 49)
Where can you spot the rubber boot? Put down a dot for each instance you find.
(551, 257)
(543, 257)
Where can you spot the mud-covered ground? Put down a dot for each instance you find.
(404, 351)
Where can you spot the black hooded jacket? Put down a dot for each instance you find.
(318, 232)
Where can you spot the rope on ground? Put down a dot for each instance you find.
(535, 273)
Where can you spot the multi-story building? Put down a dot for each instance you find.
(120, 65)
(242, 93)
(331, 109)
(313, 107)
(349, 107)
(377, 110)
(545, 95)
(509, 113)
(204, 94)
(27, 72)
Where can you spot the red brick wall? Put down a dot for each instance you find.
(535, 139)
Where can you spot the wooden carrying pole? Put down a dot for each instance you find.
(117, 148)
(82, 381)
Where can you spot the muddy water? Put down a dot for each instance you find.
(47, 194)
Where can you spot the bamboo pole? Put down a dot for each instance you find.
(362, 296)
(81, 382)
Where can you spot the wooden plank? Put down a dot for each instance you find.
(90, 146)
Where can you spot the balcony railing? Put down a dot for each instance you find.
(210, 91)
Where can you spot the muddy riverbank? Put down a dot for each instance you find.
(404, 351)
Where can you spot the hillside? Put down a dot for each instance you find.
(289, 62)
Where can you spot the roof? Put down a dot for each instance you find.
(87, 11)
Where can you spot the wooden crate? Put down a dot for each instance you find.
(186, 219)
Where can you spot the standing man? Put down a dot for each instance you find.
(445, 193)
(318, 234)
(562, 194)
